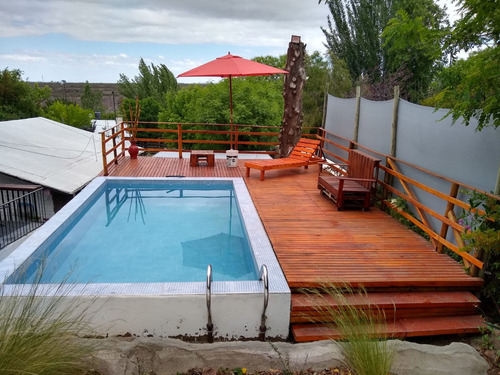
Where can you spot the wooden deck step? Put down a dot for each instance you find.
(394, 305)
(398, 329)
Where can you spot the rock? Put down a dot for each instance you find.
(126, 356)
(456, 358)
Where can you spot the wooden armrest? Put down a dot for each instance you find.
(356, 179)
(333, 164)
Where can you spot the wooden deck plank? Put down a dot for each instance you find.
(400, 328)
(314, 242)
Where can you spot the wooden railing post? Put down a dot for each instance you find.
(449, 207)
(179, 139)
(104, 157)
(356, 114)
(122, 131)
(115, 155)
(235, 137)
(394, 132)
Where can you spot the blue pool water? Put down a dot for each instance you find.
(147, 233)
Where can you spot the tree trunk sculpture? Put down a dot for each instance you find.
(291, 129)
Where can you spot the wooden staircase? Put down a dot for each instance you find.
(408, 314)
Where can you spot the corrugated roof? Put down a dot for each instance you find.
(49, 153)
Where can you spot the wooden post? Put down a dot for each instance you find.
(389, 178)
(497, 185)
(235, 141)
(122, 132)
(293, 86)
(104, 158)
(395, 110)
(449, 207)
(113, 134)
(179, 139)
(325, 106)
(356, 114)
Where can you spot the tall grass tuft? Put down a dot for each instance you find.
(365, 346)
(39, 335)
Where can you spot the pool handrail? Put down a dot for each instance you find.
(265, 278)
(210, 326)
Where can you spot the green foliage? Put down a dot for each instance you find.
(150, 109)
(476, 93)
(402, 204)
(366, 347)
(388, 42)
(474, 89)
(318, 76)
(152, 82)
(482, 232)
(91, 99)
(479, 24)
(70, 114)
(18, 99)
(353, 33)
(40, 335)
(341, 83)
(411, 43)
(285, 362)
(256, 101)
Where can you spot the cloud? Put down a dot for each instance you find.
(22, 58)
(245, 23)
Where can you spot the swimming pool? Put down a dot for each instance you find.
(136, 231)
(168, 301)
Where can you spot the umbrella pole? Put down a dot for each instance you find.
(231, 106)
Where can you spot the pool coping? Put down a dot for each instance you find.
(261, 246)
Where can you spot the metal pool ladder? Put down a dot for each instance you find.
(264, 277)
(210, 326)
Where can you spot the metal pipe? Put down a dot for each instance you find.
(264, 277)
(210, 326)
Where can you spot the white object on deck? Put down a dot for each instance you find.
(232, 158)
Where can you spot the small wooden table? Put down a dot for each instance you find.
(201, 155)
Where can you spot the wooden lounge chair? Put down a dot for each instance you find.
(352, 184)
(303, 154)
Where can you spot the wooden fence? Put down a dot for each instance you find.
(448, 218)
(179, 137)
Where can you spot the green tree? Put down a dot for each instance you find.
(91, 99)
(415, 43)
(387, 42)
(256, 101)
(353, 34)
(148, 117)
(18, 99)
(477, 94)
(70, 114)
(340, 84)
(152, 82)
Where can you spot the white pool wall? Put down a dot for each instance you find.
(175, 309)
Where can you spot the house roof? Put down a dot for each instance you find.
(49, 153)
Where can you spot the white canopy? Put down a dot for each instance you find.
(48, 153)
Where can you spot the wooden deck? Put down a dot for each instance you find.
(315, 243)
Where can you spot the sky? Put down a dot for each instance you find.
(96, 40)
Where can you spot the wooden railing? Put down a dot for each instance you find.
(179, 137)
(447, 219)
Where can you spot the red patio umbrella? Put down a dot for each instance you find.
(232, 66)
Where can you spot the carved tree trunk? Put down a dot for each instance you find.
(291, 129)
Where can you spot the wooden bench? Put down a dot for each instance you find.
(352, 184)
(201, 155)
